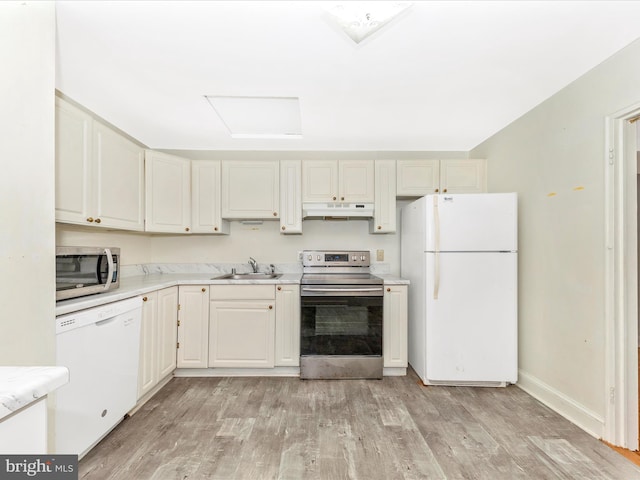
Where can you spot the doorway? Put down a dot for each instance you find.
(622, 425)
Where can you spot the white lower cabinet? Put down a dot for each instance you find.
(157, 338)
(287, 326)
(242, 326)
(193, 326)
(394, 343)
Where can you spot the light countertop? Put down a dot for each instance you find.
(141, 284)
(20, 386)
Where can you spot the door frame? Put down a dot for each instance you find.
(621, 282)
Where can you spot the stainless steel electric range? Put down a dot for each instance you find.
(341, 316)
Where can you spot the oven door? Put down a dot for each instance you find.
(341, 331)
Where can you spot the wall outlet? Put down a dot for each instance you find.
(299, 255)
(380, 255)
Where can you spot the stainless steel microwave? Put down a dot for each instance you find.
(86, 270)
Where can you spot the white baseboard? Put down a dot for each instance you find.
(589, 421)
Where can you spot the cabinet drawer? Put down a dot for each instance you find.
(243, 292)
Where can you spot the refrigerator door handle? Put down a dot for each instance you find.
(436, 231)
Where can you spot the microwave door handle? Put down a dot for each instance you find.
(107, 251)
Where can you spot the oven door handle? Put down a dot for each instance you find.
(329, 289)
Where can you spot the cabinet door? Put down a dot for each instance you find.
(463, 176)
(384, 214)
(118, 180)
(206, 210)
(148, 367)
(193, 326)
(168, 193)
(394, 343)
(242, 334)
(73, 163)
(167, 330)
(250, 190)
(416, 178)
(356, 181)
(320, 181)
(287, 326)
(290, 196)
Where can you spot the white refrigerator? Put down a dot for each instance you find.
(460, 254)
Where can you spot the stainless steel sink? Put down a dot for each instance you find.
(248, 276)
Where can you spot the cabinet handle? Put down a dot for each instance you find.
(90, 219)
(270, 307)
(445, 190)
(284, 228)
(279, 288)
(437, 190)
(335, 198)
(98, 220)
(204, 289)
(215, 229)
(379, 227)
(186, 229)
(275, 214)
(342, 198)
(144, 299)
(388, 289)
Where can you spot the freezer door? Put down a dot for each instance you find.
(471, 331)
(484, 222)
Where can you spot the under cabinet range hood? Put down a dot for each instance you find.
(342, 211)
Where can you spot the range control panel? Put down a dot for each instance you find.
(336, 258)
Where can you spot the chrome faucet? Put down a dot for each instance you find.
(272, 267)
(254, 264)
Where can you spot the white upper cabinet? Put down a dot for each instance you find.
(290, 196)
(206, 210)
(384, 214)
(416, 178)
(327, 181)
(99, 173)
(250, 189)
(168, 193)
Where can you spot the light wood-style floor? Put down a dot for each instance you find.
(395, 428)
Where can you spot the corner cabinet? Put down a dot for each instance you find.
(329, 181)
(168, 193)
(206, 210)
(99, 173)
(416, 178)
(157, 338)
(242, 326)
(250, 189)
(395, 336)
(287, 326)
(384, 214)
(193, 326)
(290, 196)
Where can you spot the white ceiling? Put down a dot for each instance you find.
(441, 76)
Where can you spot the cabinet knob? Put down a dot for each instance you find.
(335, 198)
(144, 299)
(279, 288)
(388, 289)
(270, 307)
(204, 289)
(342, 198)
(284, 228)
(215, 229)
(90, 219)
(379, 227)
(186, 229)
(98, 220)
(445, 190)
(275, 214)
(437, 190)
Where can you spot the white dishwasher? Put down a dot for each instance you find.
(100, 348)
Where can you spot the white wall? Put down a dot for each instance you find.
(27, 82)
(554, 158)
